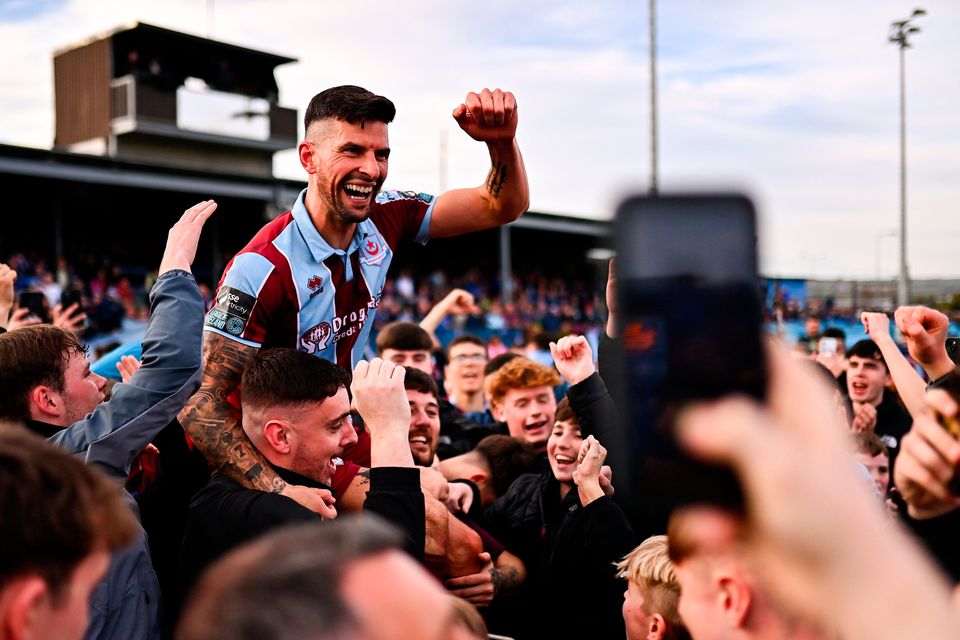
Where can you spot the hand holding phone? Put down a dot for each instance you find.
(690, 320)
(36, 302)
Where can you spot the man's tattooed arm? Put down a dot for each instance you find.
(208, 419)
(496, 179)
(502, 198)
(510, 572)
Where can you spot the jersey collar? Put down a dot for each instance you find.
(319, 248)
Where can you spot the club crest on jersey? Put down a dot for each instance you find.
(316, 338)
(373, 250)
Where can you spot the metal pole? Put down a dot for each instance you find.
(506, 270)
(903, 282)
(900, 32)
(653, 97)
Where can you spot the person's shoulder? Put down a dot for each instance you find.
(385, 198)
(264, 238)
(260, 260)
(392, 206)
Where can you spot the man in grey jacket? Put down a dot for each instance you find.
(46, 382)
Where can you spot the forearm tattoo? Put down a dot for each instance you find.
(207, 419)
(364, 479)
(496, 179)
(498, 579)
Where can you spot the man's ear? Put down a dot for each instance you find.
(497, 410)
(657, 627)
(23, 605)
(735, 599)
(45, 402)
(278, 435)
(479, 477)
(305, 154)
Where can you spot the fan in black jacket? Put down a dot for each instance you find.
(563, 525)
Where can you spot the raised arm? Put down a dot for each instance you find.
(457, 302)
(925, 331)
(116, 431)
(591, 403)
(910, 386)
(489, 117)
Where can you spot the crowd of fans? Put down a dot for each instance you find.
(554, 306)
(457, 491)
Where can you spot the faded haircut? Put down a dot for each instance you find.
(349, 103)
(289, 377)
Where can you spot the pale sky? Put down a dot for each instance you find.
(796, 103)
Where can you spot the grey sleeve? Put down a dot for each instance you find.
(116, 431)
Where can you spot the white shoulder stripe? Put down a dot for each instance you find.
(248, 273)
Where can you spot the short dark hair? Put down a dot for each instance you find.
(404, 336)
(416, 380)
(30, 357)
(283, 376)
(867, 349)
(55, 510)
(466, 339)
(493, 365)
(349, 103)
(565, 413)
(508, 459)
(286, 584)
(834, 332)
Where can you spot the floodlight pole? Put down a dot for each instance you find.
(900, 31)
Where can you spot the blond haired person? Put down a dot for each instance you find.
(650, 600)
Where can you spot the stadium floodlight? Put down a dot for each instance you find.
(900, 30)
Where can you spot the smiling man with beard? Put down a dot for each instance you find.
(312, 278)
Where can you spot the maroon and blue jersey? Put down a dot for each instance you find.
(289, 288)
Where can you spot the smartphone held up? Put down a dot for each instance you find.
(690, 324)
